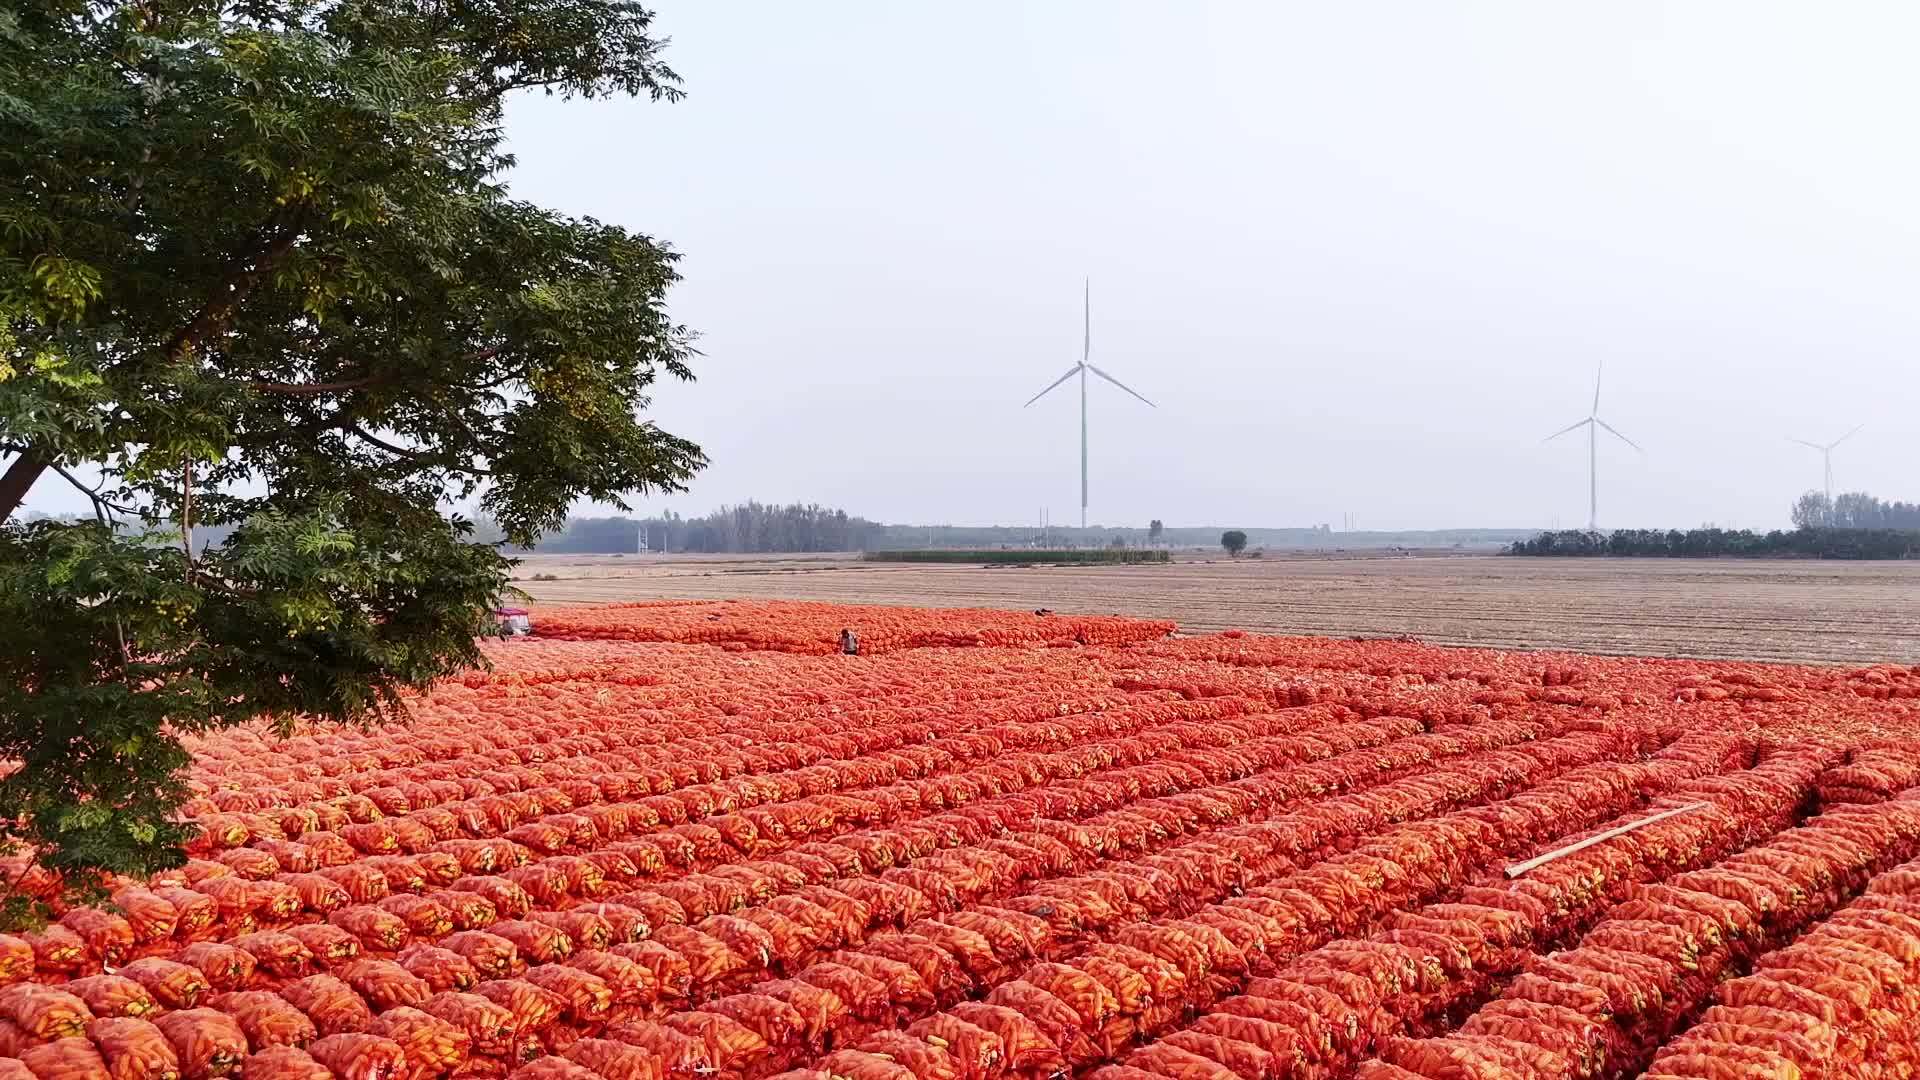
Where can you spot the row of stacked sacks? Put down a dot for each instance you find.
(1330, 1008)
(1087, 1001)
(275, 879)
(1601, 1008)
(449, 883)
(1839, 1002)
(814, 628)
(513, 1013)
(279, 958)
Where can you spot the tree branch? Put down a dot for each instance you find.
(18, 480)
(213, 317)
(415, 455)
(318, 389)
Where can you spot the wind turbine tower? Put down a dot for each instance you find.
(1826, 459)
(1593, 424)
(1081, 369)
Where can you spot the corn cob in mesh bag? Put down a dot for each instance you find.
(209, 1043)
(360, 1057)
(173, 984)
(113, 995)
(267, 1018)
(70, 1058)
(44, 1012)
(434, 1047)
(331, 1004)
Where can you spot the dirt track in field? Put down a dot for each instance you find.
(1821, 612)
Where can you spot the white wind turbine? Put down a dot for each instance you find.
(1081, 369)
(1826, 459)
(1593, 424)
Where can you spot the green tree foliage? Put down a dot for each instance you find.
(1234, 541)
(259, 273)
(1155, 530)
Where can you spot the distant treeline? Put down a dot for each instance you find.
(1854, 510)
(1207, 537)
(1023, 556)
(1803, 543)
(751, 528)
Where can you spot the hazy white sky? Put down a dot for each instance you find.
(1364, 256)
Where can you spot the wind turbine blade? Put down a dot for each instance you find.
(1596, 388)
(1803, 442)
(1619, 436)
(1844, 438)
(1119, 384)
(1056, 382)
(1575, 426)
(1086, 319)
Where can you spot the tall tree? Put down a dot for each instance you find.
(1234, 541)
(1155, 529)
(259, 270)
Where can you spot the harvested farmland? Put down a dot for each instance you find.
(663, 841)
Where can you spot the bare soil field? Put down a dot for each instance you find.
(1816, 612)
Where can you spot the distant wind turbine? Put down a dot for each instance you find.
(1826, 458)
(1593, 424)
(1081, 369)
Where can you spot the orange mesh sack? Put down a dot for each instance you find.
(209, 1043)
(360, 1057)
(441, 969)
(43, 1013)
(173, 984)
(283, 1063)
(113, 995)
(615, 1060)
(434, 1047)
(65, 1059)
(225, 967)
(553, 1068)
(134, 1049)
(489, 1027)
(385, 984)
(267, 1018)
(332, 1005)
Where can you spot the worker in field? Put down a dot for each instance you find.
(849, 644)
